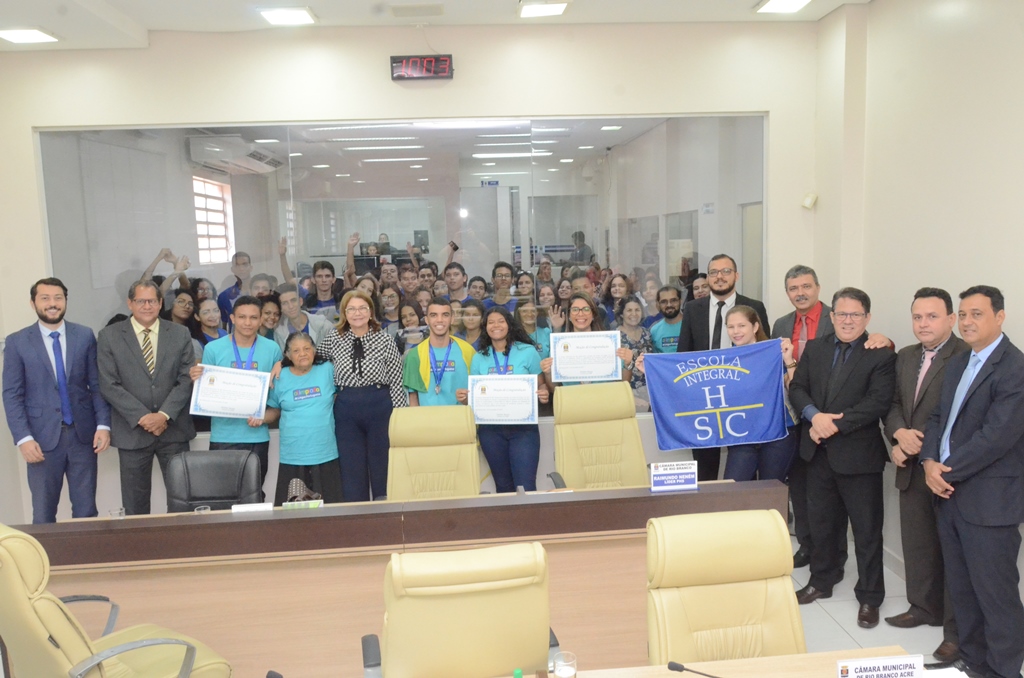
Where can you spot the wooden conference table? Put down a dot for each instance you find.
(294, 590)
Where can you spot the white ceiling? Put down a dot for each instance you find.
(97, 24)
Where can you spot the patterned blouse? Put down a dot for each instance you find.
(644, 345)
(365, 361)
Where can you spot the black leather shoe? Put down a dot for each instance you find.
(802, 558)
(867, 616)
(906, 620)
(948, 652)
(809, 594)
(962, 666)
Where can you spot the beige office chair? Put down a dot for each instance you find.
(433, 453)
(597, 440)
(45, 639)
(463, 614)
(719, 587)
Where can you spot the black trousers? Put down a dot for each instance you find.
(922, 554)
(324, 479)
(708, 462)
(137, 474)
(828, 493)
(983, 580)
(801, 518)
(361, 418)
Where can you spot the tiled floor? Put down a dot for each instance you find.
(831, 624)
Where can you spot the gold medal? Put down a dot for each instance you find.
(437, 389)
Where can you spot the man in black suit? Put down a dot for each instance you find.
(842, 390)
(704, 330)
(973, 457)
(919, 372)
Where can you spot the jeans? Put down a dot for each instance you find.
(765, 461)
(513, 453)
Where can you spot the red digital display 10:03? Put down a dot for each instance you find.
(422, 67)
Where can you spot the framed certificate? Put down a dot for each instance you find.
(228, 392)
(504, 398)
(585, 356)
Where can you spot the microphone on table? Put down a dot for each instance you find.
(676, 666)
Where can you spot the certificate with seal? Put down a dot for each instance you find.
(227, 392)
(503, 398)
(585, 356)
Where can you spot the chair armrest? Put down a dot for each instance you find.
(83, 667)
(371, 656)
(557, 479)
(115, 609)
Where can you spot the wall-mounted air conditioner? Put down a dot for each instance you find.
(232, 154)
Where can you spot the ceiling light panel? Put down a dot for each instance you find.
(393, 159)
(289, 16)
(782, 6)
(358, 139)
(381, 148)
(483, 156)
(534, 10)
(26, 36)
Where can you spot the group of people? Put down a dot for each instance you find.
(344, 353)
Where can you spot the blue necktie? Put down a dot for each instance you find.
(958, 400)
(62, 380)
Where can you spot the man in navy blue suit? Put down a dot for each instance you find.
(51, 393)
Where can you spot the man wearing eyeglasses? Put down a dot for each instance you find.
(703, 329)
(143, 370)
(842, 391)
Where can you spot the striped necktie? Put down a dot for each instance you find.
(147, 351)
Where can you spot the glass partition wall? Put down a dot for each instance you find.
(651, 197)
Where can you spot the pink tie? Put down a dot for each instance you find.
(929, 355)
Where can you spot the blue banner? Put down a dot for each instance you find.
(732, 396)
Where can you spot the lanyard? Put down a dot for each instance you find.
(439, 373)
(247, 365)
(497, 368)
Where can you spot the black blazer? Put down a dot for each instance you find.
(694, 334)
(863, 396)
(987, 441)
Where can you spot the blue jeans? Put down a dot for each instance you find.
(513, 453)
(766, 461)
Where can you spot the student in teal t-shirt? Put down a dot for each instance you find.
(526, 315)
(436, 372)
(665, 332)
(512, 450)
(242, 349)
(303, 400)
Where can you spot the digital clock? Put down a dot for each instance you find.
(422, 67)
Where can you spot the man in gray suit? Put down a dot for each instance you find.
(144, 364)
(919, 372)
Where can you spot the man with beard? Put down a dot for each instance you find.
(665, 332)
(51, 392)
(703, 329)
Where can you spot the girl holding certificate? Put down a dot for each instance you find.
(512, 451)
(583, 317)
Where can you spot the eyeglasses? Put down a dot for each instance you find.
(502, 276)
(721, 271)
(849, 316)
(210, 311)
(184, 304)
(357, 309)
(577, 310)
(145, 302)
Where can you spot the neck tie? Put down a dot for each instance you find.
(801, 341)
(926, 362)
(958, 400)
(838, 360)
(62, 380)
(147, 351)
(716, 336)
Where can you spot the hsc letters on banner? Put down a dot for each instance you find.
(731, 396)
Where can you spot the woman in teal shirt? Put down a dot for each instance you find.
(512, 451)
(303, 400)
(527, 315)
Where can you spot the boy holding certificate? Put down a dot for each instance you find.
(243, 349)
(437, 371)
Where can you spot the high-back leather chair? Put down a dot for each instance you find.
(719, 587)
(597, 440)
(215, 478)
(433, 453)
(465, 614)
(44, 638)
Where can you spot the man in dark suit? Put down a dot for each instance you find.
(842, 391)
(973, 457)
(59, 420)
(919, 372)
(704, 330)
(144, 364)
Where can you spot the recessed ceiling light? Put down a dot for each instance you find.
(424, 179)
(782, 6)
(483, 156)
(289, 16)
(321, 166)
(266, 141)
(611, 128)
(585, 148)
(544, 141)
(532, 10)
(549, 129)
(565, 160)
(501, 136)
(294, 155)
(26, 36)
(496, 174)
(546, 180)
(342, 175)
(506, 143)
(358, 181)
(393, 159)
(490, 164)
(355, 139)
(354, 127)
(415, 166)
(381, 148)
(552, 169)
